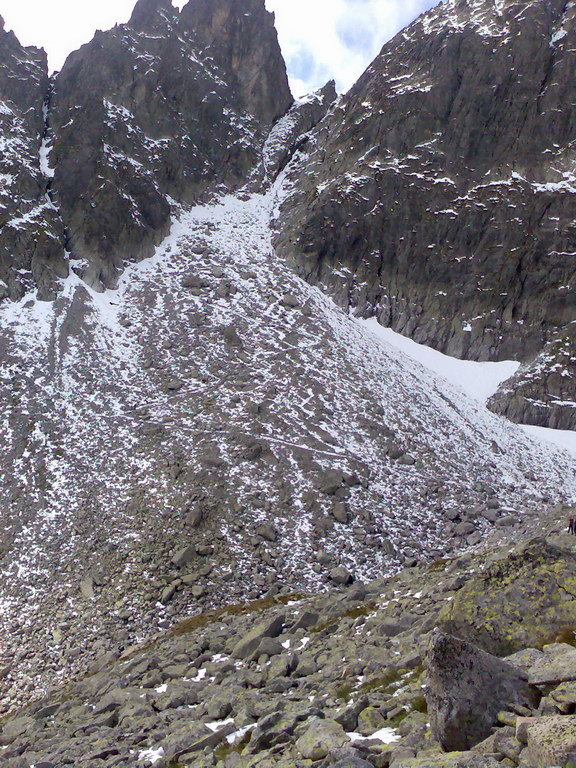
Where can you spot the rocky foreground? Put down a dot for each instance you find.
(466, 663)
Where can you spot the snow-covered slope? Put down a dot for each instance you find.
(217, 401)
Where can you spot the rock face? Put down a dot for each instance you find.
(439, 194)
(168, 106)
(31, 235)
(467, 688)
(542, 392)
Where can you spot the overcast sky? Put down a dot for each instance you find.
(320, 39)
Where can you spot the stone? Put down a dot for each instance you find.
(464, 529)
(167, 594)
(184, 556)
(320, 738)
(564, 696)
(522, 725)
(330, 481)
(467, 688)
(556, 665)
(291, 301)
(341, 575)
(531, 581)
(552, 741)
(267, 531)
(87, 588)
(270, 627)
(340, 513)
(369, 721)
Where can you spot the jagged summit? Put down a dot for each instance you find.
(149, 14)
(243, 40)
(152, 113)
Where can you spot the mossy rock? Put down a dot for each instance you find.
(525, 599)
(452, 760)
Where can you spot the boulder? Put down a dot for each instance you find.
(330, 481)
(267, 531)
(321, 737)
(290, 301)
(184, 556)
(518, 601)
(87, 588)
(552, 741)
(467, 688)
(271, 627)
(556, 665)
(341, 575)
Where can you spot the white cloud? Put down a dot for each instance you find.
(321, 39)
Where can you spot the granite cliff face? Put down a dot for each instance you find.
(31, 242)
(439, 194)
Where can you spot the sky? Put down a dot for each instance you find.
(320, 39)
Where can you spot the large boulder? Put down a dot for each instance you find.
(271, 627)
(467, 688)
(321, 737)
(556, 665)
(521, 600)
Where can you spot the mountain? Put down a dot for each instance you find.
(194, 410)
(164, 108)
(439, 194)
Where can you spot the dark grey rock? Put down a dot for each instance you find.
(467, 688)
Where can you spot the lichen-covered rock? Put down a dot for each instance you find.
(556, 665)
(320, 738)
(467, 688)
(520, 600)
(552, 741)
(271, 627)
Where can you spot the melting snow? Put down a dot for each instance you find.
(385, 735)
(479, 380)
(151, 756)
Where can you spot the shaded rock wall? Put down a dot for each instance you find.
(168, 106)
(31, 247)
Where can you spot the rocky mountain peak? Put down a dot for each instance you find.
(243, 40)
(164, 109)
(151, 14)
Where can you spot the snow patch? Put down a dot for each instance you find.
(478, 380)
